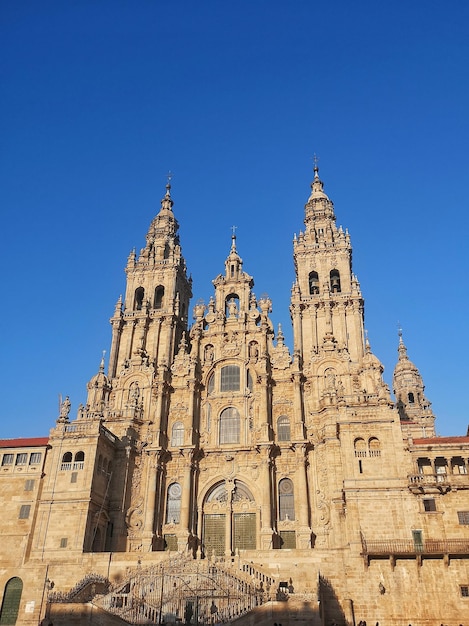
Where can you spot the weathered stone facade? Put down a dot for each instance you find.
(213, 441)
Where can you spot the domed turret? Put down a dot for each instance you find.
(408, 386)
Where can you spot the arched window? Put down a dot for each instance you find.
(11, 601)
(230, 378)
(374, 447)
(313, 283)
(79, 460)
(229, 425)
(159, 295)
(286, 503)
(177, 434)
(139, 295)
(211, 384)
(283, 428)
(410, 397)
(335, 281)
(360, 447)
(173, 504)
(66, 461)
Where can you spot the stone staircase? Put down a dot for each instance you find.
(184, 590)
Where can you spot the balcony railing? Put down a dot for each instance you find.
(428, 483)
(407, 548)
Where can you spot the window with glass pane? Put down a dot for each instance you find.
(230, 378)
(35, 458)
(7, 459)
(286, 500)
(177, 434)
(173, 504)
(229, 425)
(283, 428)
(24, 511)
(22, 458)
(211, 384)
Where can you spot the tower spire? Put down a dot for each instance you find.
(414, 408)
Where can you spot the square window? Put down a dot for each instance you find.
(29, 485)
(24, 511)
(21, 458)
(464, 591)
(35, 458)
(429, 505)
(463, 517)
(7, 459)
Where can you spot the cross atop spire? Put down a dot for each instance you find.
(168, 184)
(316, 168)
(233, 238)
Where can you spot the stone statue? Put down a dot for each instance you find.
(65, 408)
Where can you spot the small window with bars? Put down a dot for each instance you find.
(429, 505)
(8, 459)
(24, 511)
(29, 485)
(464, 591)
(463, 517)
(21, 458)
(63, 542)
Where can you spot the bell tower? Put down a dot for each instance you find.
(326, 303)
(149, 323)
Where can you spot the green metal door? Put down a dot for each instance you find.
(214, 534)
(11, 601)
(244, 531)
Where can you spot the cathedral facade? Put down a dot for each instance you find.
(293, 477)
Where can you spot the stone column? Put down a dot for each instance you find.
(150, 501)
(230, 487)
(184, 522)
(301, 499)
(266, 499)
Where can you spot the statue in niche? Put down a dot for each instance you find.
(232, 308)
(253, 350)
(330, 379)
(134, 393)
(208, 353)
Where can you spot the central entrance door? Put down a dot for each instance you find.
(229, 519)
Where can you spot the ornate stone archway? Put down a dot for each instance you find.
(229, 519)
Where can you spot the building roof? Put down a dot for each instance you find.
(25, 442)
(435, 441)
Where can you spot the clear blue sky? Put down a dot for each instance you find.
(101, 98)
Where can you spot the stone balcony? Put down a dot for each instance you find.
(437, 483)
(408, 549)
